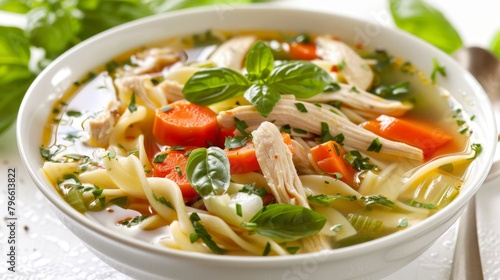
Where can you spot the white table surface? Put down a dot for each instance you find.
(47, 250)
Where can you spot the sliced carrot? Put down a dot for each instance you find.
(186, 124)
(244, 159)
(171, 164)
(303, 51)
(330, 159)
(415, 133)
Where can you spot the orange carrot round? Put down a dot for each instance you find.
(242, 159)
(171, 164)
(330, 159)
(302, 51)
(414, 133)
(186, 124)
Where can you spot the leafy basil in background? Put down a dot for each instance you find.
(421, 19)
(15, 76)
(495, 45)
(55, 26)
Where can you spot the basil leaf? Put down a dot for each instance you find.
(104, 14)
(263, 98)
(208, 171)
(286, 222)
(300, 78)
(14, 6)
(53, 28)
(213, 85)
(426, 22)
(495, 45)
(15, 76)
(259, 61)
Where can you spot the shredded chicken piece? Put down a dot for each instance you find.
(153, 60)
(232, 52)
(275, 160)
(100, 127)
(174, 82)
(354, 68)
(145, 91)
(172, 90)
(286, 113)
(365, 103)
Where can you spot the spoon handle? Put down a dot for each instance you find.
(467, 258)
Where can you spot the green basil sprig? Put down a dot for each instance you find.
(426, 22)
(208, 171)
(286, 222)
(263, 84)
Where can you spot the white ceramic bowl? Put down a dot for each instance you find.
(138, 259)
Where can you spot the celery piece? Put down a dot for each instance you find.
(74, 198)
(364, 224)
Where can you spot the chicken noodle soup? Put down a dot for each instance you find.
(258, 143)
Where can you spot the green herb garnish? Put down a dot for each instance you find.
(391, 91)
(262, 86)
(375, 146)
(132, 107)
(134, 221)
(324, 199)
(201, 232)
(163, 201)
(370, 200)
(286, 222)
(160, 158)
(235, 142)
(423, 20)
(208, 171)
(358, 162)
(437, 69)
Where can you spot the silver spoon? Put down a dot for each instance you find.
(485, 67)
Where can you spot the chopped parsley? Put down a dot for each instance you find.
(358, 162)
(438, 69)
(267, 249)
(235, 142)
(477, 148)
(332, 87)
(375, 146)
(73, 113)
(160, 158)
(241, 126)
(301, 107)
(132, 107)
(403, 223)
(163, 201)
(250, 189)
(201, 233)
(325, 199)
(371, 200)
(239, 210)
(134, 221)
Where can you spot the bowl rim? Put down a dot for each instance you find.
(83, 221)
